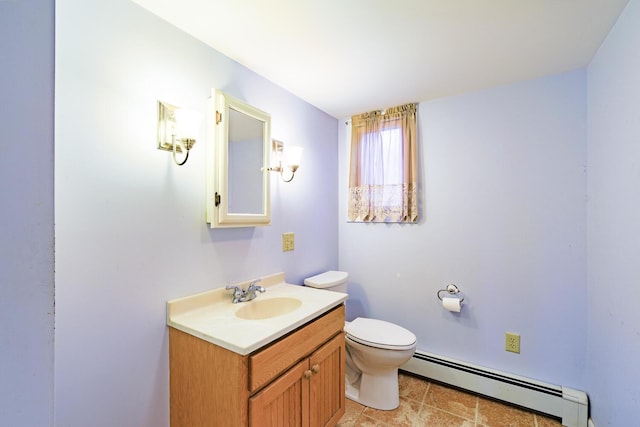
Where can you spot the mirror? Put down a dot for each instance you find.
(238, 147)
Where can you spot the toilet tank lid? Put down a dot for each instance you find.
(327, 279)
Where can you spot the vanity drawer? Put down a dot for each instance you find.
(270, 362)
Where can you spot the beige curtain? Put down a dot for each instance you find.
(373, 195)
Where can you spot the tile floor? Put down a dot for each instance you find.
(423, 403)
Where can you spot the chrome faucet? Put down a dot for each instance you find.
(243, 295)
(253, 288)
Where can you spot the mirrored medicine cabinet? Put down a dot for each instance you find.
(238, 148)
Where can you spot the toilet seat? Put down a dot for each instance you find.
(379, 334)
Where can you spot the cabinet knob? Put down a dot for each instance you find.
(307, 374)
(315, 369)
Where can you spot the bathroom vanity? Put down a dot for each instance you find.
(258, 369)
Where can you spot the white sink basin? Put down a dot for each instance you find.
(248, 326)
(259, 309)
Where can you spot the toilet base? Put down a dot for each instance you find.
(378, 392)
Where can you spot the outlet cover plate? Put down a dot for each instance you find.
(512, 342)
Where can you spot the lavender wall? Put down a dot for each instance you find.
(130, 225)
(503, 198)
(26, 213)
(613, 348)
(503, 217)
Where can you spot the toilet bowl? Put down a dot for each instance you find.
(375, 349)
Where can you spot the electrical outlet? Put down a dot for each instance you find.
(512, 342)
(287, 242)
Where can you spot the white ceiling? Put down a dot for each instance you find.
(350, 56)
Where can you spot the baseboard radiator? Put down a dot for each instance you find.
(572, 406)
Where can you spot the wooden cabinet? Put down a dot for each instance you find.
(309, 394)
(296, 381)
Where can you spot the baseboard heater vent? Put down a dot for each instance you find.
(572, 406)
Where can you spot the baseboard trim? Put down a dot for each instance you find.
(572, 406)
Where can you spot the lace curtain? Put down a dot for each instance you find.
(383, 175)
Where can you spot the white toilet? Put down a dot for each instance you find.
(375, 351)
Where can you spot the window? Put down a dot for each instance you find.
(383, 166)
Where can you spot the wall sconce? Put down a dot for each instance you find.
(177, 129)
(281, 158)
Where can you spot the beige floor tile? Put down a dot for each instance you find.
(452, 400)
(431, 417)
(351, 414)
(494, 414)
(547, 422)
(405, 415)
(412, 387)
(427, 404)
(364, 421)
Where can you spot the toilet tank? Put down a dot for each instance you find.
(330, 280)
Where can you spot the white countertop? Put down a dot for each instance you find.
(211, 315)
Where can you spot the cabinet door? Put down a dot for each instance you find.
(326, 393)
(285, 402)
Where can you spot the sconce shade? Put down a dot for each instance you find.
(293, 155)
(285, 158)
(187, 123)
(177, 130)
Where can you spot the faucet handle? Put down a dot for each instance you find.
(237, 292)
(253, 286)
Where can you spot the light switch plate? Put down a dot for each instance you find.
(287, 242)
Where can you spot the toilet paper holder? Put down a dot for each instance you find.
(451, 290)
